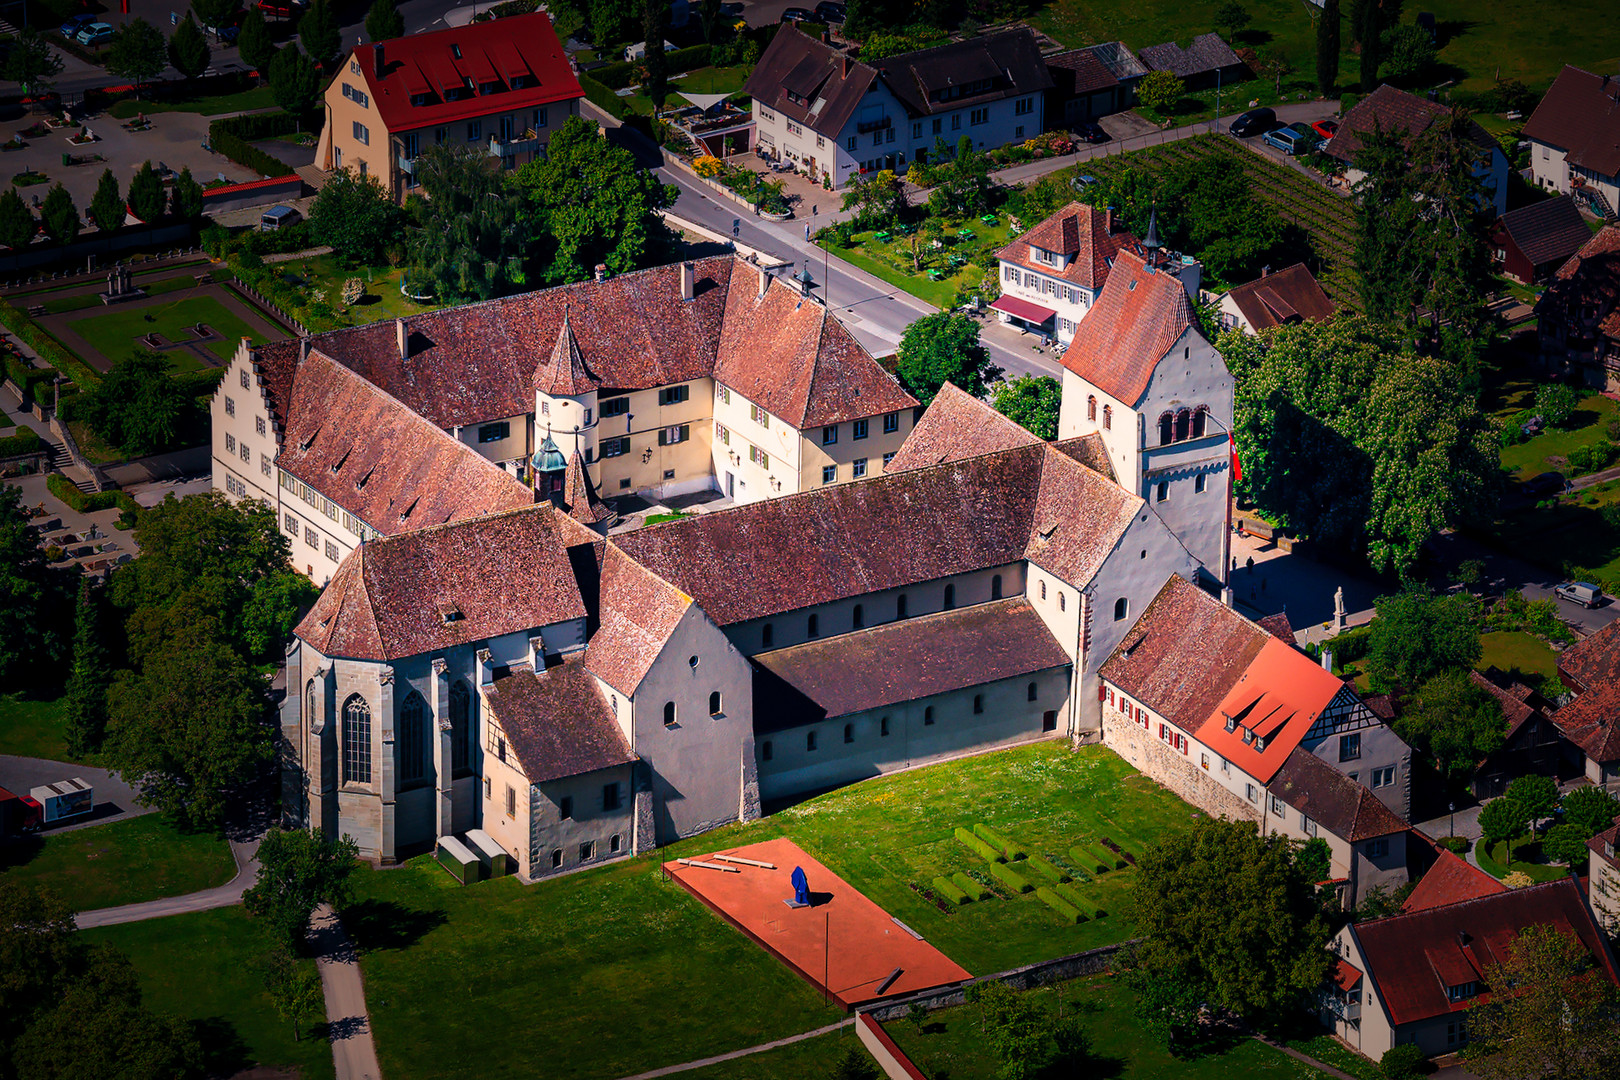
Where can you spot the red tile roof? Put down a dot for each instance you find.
(1585, 292)
(1581, 116)
(1390, 110)
(1592, 720)
(1083, 234)
(639, 612)
(1290, 295)
(1413, 957)
(563, 374)
(1138, 316)
(1277, 698)
(1339, 804)
(1549, 231)
(1184, 654)
(523, 46)
(1090, 451)
(1346, 976)
(436, 588)
(1451, 880)
(379, 460)
(1602, 845)
(557, 722)
(957, 425)
(579, 499)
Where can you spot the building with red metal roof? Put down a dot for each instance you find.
(502, 86)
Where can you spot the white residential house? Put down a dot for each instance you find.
(1574, 137)
(1052, 275)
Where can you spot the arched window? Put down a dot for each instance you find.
(1108, 417)
(1032, 691)
(356, 741)
(900, 606)
(669, 714)
(1183, 425)
(1121, 607)
(411, 727)
(950, 597)
(765, 750)
(714, 703)
(1166, 429)
(1200, 415)
(460, 725)
(849, 733)
(995, 587)
(766, 635)
(813, 626)
(859, 620)
(1063, 600)
(978, 703)
(1043, 588)
(810, 740)
(311, 701)
(1091, 407)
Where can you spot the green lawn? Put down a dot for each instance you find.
(1526, 859)
(622, 934)
(117, 333)
(938, 293)
(892, 260)
(1588, 425)
(811, 1059)
(207, 968)
(63, 304)
(950, 1043)
(1330, 1051)
(34, 728)
(1516, 651)
(293, 285)
(259, 97)
(124, 862)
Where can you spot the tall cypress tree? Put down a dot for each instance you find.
(1327, 47)
(1371, 28)
(87, 686)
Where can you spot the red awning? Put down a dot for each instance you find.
(1023, 309)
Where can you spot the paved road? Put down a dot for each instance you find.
(1504, 572)
(353, 1051)
(115, 800)
(246, 854)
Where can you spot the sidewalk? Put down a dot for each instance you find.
(348, 1023)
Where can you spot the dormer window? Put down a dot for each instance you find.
(1231, 723)
(1462, 991)
(1248, 736)
(449, 612)
(455, 51)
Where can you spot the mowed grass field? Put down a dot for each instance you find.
(122, 862)
(622, 936)
(117, 333)
(30, 728)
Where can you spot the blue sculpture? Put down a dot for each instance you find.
(801, 889)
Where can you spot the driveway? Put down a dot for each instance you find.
(1503, 572)
(115, 799)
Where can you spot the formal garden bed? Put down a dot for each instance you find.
(1532, 834)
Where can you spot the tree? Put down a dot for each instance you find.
(107, 206)
(1032, 401)
(1503, 821)
(1565, 844)
(216, 13)
(192, 728)
(294, 80)
(944, 348)
(654, 25)
(1327, 48)
(1232, 16)
(146, 197)
(138, 407)
(1455, 721)
(1406, 1061)
(589, 203)
(1537, 794)
(710, 19)
(473, 228)
(1371, 27)
(298, 872)
(1559, 1021)
(384, 22)
(877, 198)
(318, 33)
(137, 53)
(34, 602)
(962, 184)
(294, 988)
(188, 49)
(1418, 635)
(610, 21)
(273, 608)
(32, 63)
(1160, 91)
(1591, 808)
(1315, 859)
(38, 948)
(1556, 402)
(254, 43)
(355, 216)
(1406, 52)
(92, 674)
(60, 216)
(854, 1064)
(1275, 62)
(1469, 573)
(17, 225)
(186, 199)
(1013, 1025)
(1229, 916)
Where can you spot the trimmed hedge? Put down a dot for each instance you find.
(26, 441)
(1010, 878)
(1013, 850)
(18, 322)
(1088, 860)
(222, 136)
(1047, 869)
(1066, 911)
(603, 97)
(979, 847)
(946, 888)
(63, 489)
(30, 380)
(199, 383)
(1070, 894)
(978, 890)
(621, 73)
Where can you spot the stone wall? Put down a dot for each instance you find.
(1074, 966)
(1177, 772)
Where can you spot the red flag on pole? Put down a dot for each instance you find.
(1237, 466)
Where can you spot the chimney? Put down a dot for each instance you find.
(688, 279)
(377, 57)
(1108, 220)
(764, 281)
(1327, 660)
(849, 65)
(404, 338)
(600, 273)
(303, 349)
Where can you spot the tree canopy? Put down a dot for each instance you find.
(298, 871)
(107, 205)
(1417, 635)
(294, 80)
(1160, 91)
(17, 225)
(318, 32)
(138, 52)
(32, 63)
(186, 196)
(35, 602)
(944, 348)
(188, 49)
(138, 407)
(355, 216)
(383, 21)
(1455, 721)
(60, 216)
(1031, 401)
(253, 42)
(1327, 47)
(1591, 808)
(471, 229)
(91, 674)
(146, 196)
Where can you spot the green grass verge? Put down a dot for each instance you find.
(951, 1043)
(124, 862)
(1588, 425)
(34, 728)
(816, 1057)
(1517, 651)
(938, 293)
(1330, 1051)
(1526, 860)
(63, 304)
(259, 97)
(207, 967)
(116, 334)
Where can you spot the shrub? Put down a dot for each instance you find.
(42, 343)
(1088, 861)
(222, 137)
(979, 847)
(1591, 458)
(63, 489)
(1066, 911)
(1013, 851)
(603, 97)
(25, 441)
(978, 890)
(946, 888)
(1047, 869)
(1351, 645)
(1403, 1062)
(1010, 878)
(54, 553)
(1457, 845)
(1072, 895)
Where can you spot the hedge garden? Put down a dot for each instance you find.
(1012, 870)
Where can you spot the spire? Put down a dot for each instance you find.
(579, 499)
(564, 373)
(1152, 242)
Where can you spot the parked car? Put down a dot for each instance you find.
(1293, 139)
(278, 217)
(74, 24)
(799, 14)
(831, 12)
(1547, 483)
(1080, 183)
(1583, 593)
(95, 33)
(1253, 122)
(1326, 128)
(1091, 132)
